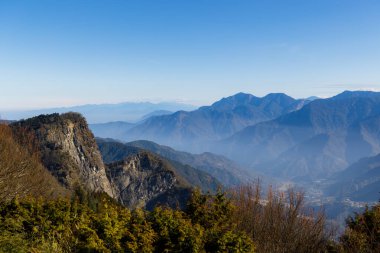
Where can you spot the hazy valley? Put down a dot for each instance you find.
(315, 144)
(310, 144)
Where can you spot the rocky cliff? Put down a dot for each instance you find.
(113, 151)
(145, 180)
(68, 150)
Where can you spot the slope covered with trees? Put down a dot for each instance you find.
(72, 226)
(21, 172)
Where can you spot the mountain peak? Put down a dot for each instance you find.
(357, 94)
(276, 95)
(280, 97)
(68, 150)
(248, 99)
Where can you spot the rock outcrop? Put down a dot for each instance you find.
(68, 150)
(144, 180)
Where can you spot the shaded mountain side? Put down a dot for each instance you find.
(68, 150)
(155, 113)
(325, 136)
(224, 170)
(143, 180)
(21, 172)
(359, 182)
(190, 130)
(113, 151)
(115, 130)
(310, 159)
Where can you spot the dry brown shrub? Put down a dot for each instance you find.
(279, 222)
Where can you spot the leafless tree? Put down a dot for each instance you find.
(279, 222)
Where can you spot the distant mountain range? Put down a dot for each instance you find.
(331, 147)
(102, 113)
(275, 135)
(114, 130)
(190, 130)
(323, 137)
(292, 140)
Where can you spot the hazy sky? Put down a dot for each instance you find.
(75, 51)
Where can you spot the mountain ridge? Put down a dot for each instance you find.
(68, 150)
(113, 151)
(226, 171)
(346, 121)
(191, 130)
(101, 113)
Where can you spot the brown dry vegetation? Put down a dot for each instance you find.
(21, 173)
(279, 222)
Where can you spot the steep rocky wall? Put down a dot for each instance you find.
(68, 150)
(143, 180)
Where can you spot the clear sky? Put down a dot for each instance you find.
(69, 52)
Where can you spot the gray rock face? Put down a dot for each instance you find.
(68, 150)
(224, 170)
(141, 178)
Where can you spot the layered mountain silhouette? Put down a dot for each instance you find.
(114, 130)
(323, 137)
(275, 135)
(190, 131)
(101, 113)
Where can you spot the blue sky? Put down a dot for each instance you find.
(69, 52)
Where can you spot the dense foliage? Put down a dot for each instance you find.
(211, 223)
(363, 232)
(31, 225)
